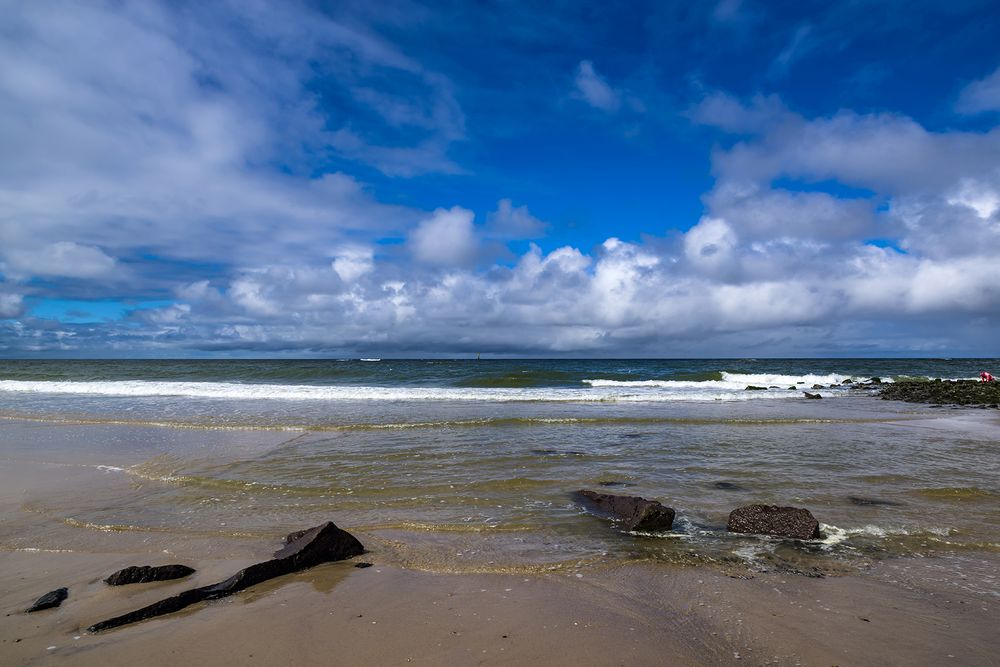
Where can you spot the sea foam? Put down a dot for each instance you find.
(731, 387)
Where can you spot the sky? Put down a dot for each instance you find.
(569, 179)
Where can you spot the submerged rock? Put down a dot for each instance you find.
(812, 396)
(615, 482)
(49, 600)
(632, 512)
(303, 549)
(858, 500)
(141, 574)
(728, 486)
(794, 522)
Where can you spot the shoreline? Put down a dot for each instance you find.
(900, 610)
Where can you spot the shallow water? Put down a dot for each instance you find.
(449, 482)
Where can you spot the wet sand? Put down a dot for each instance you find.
(637, 615)
(901, 611)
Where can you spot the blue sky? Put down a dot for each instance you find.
(730, 178)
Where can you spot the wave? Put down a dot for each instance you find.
(731, 382)
(598, 391)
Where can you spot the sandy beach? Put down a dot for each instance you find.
(639, 615)
(573, 334)
(912, 611)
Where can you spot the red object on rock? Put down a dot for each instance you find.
(985, 377)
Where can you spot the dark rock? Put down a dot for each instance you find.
(558, 452)
(291, 537)
(949, 392)
(857, 500)
(612, 482)
(875, 380)
(751, 387)
(49, 600)
(728, 486)
(362, 565)
(632, 512)
(792, 388)
(848, 381)
(303, 549)
(817, 386)
(791, 522)
(813, 396)
(136, 574)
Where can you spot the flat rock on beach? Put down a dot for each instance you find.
(49, 600)
(141, 574)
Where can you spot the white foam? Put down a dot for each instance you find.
(235, 391)
(730, 382)
(730, 388)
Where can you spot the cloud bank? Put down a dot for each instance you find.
(222, 192)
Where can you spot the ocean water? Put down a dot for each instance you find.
(465, 465)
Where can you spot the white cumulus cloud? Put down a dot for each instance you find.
(446, 238)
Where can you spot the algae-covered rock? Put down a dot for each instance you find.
(943, 392)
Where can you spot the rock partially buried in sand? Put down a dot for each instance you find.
(633, 512)
(141, 574)
(812, 396)
(303, 549)
(49, 600)
(794, 522)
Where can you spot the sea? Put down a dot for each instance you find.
(471, 465)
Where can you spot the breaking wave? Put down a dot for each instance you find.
(731, 387)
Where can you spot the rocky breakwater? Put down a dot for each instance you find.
(943, 392)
